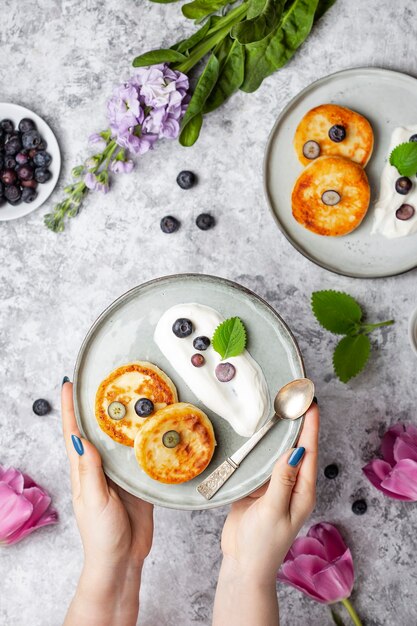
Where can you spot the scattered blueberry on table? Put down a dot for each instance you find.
(41, 407)
(169, 224)
(359, 507)
(331, 471)
(186, 179)
(23, 161)
(205, 221)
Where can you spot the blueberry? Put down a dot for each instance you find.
(171, 439)
(22, 157)
(225, 372)
(413, 138)
(169, 224)
(32, 184)
(13, 194)
(201, 343)
(205, 221)
(43, 145)
(10, 162)
(42, 159)
(359, 507)
(31, 139)
(337, 133)
(403, 185)
(12, 146)
(182, 327)
(144, 407)
(7, 126)
(311, 149)
(25, 172)
(405, 212)
(331, 471)
(198, 360)
(42, 175)
(186, 179)
(8, 176)
(26, 124)
(330, 197)
(116, 410)
(28, 194)
(41, 407)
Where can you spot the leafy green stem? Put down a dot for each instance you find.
(367, 328)
(353, 615)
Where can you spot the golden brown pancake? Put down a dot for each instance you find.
(186, 460)
(331, 173)
(127, 384)
(315, 126)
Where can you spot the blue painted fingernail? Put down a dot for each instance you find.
(65, 380)
(296, 456)
(78, 445)
(315, 400)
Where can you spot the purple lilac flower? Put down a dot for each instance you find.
(122, 167)
(149, 106)
(95, 140)
(90, 181)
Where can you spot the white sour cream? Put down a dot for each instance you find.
(244, 400)
(385, 221)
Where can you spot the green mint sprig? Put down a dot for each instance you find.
(404, 158)
(342, 315)
(229, 338)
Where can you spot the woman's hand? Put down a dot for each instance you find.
(116, 530)
(259, 531)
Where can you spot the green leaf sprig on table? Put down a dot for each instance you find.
(247, 42)
(404, 158)
(229, 338)
(342, 315)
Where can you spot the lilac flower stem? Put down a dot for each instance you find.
(353, 615)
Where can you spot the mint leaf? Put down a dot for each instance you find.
(350, 356)
(336, 311)
(404, 158)
(229, 338)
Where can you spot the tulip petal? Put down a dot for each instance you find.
(405, 447)
(411, 430)
(306, 545)
(12, 477)
(376, 472)
(330, 538)
(15, 510)
(403, 480)
(388, 440)
(299, 574)
(335, 583)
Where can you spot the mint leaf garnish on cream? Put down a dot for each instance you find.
(229, 338)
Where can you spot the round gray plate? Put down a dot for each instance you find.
(124, 332)
(387, 99)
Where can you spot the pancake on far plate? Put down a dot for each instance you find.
(125, 385)
(331, 196)
(334, 131)
(176, 444)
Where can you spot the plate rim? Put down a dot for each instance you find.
(207, 504)
(281, 115)
(30, 207)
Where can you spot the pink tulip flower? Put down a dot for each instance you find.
(396, 474)
(24, 506)
(320, 565)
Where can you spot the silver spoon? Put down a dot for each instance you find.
(291, 402)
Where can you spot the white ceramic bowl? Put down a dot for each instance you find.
(412, 330)
(15, 112)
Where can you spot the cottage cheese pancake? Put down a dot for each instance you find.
(126, 385)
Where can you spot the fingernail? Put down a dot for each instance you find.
(78, 445)
(315, 400)
(296, 456)
(65, 380)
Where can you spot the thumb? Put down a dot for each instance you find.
(94, 490)
(283, 479)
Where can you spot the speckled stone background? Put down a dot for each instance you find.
(61, 58)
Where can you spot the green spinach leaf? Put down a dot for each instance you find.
(261, 25)
(195, 108)
(187, 44)
(268, 55)
(159, 56)
(231, 75)
(322, 7)
(199, 9)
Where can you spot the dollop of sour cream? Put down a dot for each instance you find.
(244, 400)
(385, 221)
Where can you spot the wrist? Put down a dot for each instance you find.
(251, 574)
